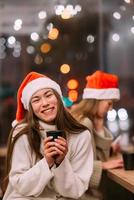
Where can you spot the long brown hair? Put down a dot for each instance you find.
(64, 121)
(31, 129)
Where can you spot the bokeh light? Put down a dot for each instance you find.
(53, 34)
(65, 68)
(72, 84)
(73, 95)
(45, 48)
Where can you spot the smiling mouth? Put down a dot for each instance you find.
(47, 110)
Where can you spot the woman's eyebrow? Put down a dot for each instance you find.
(48, 91)
(45, 93)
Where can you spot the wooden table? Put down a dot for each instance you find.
(123, 177)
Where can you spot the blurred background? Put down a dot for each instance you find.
(66, 40)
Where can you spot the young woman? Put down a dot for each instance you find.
(98, 97)
(37, 167)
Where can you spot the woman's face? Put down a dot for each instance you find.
(44, 105)
(103, 107)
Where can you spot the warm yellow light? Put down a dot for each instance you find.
(72, 84)
(66, 14)
(38, 59)
(65, 68)
(73, 95)
(45, 48)
(53, 34)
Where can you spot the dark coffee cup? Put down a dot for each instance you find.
(55, 134)
(128, 159)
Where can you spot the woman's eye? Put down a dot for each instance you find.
(49, 95)
(35, 100)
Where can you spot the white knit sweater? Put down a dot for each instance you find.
(30, 179)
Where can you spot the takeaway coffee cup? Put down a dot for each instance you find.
(55, 134)
(127, 151)
(128, 159)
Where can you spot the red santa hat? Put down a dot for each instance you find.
(101, 85)
(31, 84)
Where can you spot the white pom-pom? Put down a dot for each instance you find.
(14, 123)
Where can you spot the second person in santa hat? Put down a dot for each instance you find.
(98, 97)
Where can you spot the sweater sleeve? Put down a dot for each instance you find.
(96, 175)
(26, 178)
(103, 144)
(71, 178)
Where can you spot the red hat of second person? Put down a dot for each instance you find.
(101, 85)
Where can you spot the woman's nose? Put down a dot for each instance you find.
(44, 101)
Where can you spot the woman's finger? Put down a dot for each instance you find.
(49, 144)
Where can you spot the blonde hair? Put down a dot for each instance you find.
(85, 108)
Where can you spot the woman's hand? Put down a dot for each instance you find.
(112, 164)
(61, 149)
(116, 148)
(49, 151)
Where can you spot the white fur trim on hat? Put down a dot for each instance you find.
(14, 123)
(111, 93)
(36, 85)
